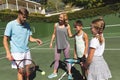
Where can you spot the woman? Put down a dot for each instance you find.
(61, 31)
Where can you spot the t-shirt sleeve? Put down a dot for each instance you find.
(8, 30)
(94, 43)
(30, 32)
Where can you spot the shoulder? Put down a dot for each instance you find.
(68, 26)
(85, 35)
(56, 24)
(11, 22)
(94, 42)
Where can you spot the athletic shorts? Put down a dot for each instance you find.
(21, 56)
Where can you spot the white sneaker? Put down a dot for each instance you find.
(52, 75)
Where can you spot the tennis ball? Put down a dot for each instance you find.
(43, 73)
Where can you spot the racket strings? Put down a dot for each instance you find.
(25, 66)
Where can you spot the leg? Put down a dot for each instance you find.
(27, 64)
(20, 74)
(20, 77)
(27, 74)
(57, 58)
(66, 54)
(56, 64)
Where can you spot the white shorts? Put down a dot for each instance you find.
(20, 56)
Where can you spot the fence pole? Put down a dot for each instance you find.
(7, 4)
(17, 4)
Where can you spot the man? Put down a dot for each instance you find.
(18, 33)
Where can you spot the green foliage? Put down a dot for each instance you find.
(37, 14)
(85, 13)
(6, 10)
(53, 5)
(85, 3)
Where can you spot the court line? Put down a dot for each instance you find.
(34, 46)
(106, 26)
(47, 42)
(30, 49)
(113, 37)
(2, 58)
(108, 49)
(69, 39)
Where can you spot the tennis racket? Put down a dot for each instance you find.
(27, 68)
(72, 60)
(63, 75)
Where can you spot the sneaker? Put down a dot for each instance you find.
(70, 77)
(52, 75)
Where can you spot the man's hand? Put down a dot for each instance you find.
(39, 41)
(9, 56)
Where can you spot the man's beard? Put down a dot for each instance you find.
(22, 22)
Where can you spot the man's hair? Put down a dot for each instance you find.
(23, 11)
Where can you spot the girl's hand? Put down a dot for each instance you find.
(50, 45)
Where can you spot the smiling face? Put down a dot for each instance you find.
(61, 19)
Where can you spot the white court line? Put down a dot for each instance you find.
(2, 58)
(108, 49)
(70, 39)
(106, 26)
(112, 49)
(113, 37)
(30, 49)
(47, 42)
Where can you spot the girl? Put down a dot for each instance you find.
(95, 63)
(81, 44)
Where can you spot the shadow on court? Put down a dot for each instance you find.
(33, 74)
(75, 73)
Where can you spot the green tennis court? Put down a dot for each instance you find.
(44, 56)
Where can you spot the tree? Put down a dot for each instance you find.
(43, 2)
(55, 5)
(85, 3)
(111, 1)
